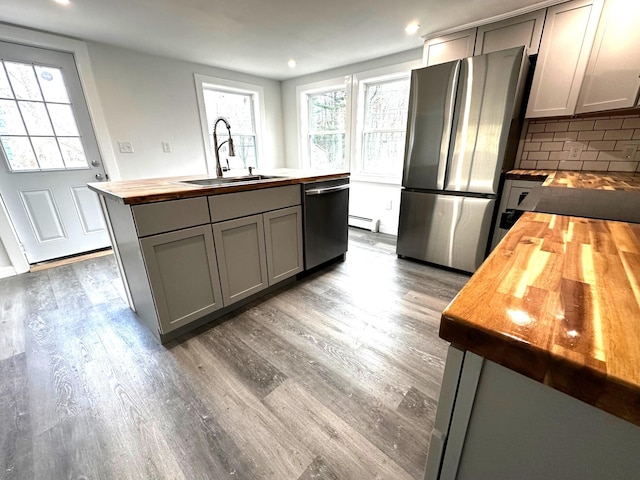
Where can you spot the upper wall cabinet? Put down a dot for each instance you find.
(612, 79)
(448, 48)
(514, 32)
(569, 33)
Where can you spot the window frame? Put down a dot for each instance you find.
(302, 97)
(354, 83)
(230, 86)
(361, 82)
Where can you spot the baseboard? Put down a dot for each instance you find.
(7, 272)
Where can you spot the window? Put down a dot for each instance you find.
(324, 109)
(383, 126)
(327, 133)
(38, 129)
(371, 145)
(240, 105)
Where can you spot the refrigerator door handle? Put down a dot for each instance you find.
(450, 103)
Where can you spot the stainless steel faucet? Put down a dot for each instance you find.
(217, 147)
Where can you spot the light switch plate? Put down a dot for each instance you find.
(125, 147)
(166, 147)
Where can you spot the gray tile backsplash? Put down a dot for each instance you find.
(601, 143)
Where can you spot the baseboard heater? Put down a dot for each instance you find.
(372, 224)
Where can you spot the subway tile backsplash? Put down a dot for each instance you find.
(601, 143)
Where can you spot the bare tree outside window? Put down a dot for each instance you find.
(327, 129)
(384, 129)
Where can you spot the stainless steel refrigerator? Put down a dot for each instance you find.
(463, 128)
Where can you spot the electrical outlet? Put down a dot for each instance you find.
(388, 205)
(166, 147)
(575, 148)
(629, 150)
(125, 147)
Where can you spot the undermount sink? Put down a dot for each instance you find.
(209, 182)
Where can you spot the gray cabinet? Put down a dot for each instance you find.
(242, 258)
(183, 275)
(494, 423)
(283, 242)
(612, 78)
(447, 48)
(513, 32)
(569, 32)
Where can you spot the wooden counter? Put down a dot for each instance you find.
(559, 301)
(135, 192)
(574, 179)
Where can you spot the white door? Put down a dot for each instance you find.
(48, 153)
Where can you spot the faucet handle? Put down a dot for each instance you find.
(250, 170)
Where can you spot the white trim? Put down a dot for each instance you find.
(9, 237)
(495, 18)
(303, 114)
(234, 86)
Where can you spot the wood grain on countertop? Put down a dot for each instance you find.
(134, 192)
(574, 179)
(559, 301)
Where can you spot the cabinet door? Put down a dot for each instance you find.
(612, 79)
(241, 257)
(283, 240)
(514, 32)
(569, 31)
(183, 275)
(449, 47)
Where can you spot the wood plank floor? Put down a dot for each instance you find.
(335, 377)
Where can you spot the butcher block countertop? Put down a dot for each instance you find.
(574, 179)
(559, 301)
(135, 192)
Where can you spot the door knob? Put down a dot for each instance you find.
(99, 177)
(95, 163)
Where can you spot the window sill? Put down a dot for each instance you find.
(359, 177)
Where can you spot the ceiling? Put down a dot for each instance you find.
(256, 36)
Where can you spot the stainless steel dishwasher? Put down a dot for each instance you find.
(326, 208)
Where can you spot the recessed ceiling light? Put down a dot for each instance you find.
(292, 63)
(62, 2)
(412, 28)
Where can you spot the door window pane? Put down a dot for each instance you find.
(23, 80)
(72, 152)
(19, 153)
(52, 84)
(36, 118)
(47, 152)
(5, 88)
(63, 120)
(51, 128)
(10, 119)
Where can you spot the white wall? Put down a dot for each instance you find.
(148, 99)
(367, 199)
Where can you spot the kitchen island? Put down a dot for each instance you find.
(543, 374)
(192, 249)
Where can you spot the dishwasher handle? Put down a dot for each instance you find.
(322, 191)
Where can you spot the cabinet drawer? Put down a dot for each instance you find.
(163, 217)
(242, 204)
